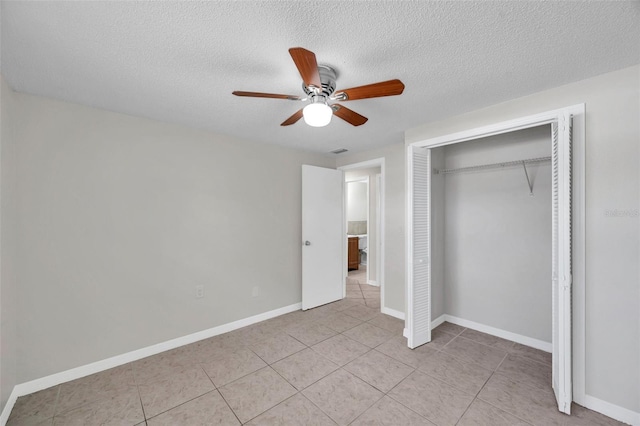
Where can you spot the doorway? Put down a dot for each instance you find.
(361, 236)
(567, 280)
(364, 223)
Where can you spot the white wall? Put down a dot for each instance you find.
(497, 260)
(612, 241)
(119, 218)
(8, 285)
(357, 201)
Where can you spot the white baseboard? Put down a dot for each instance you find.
(610, 410)
(392, 312)
(105, 364)
(518, 338)
(4, 417)
(373, 283)
(436, 322)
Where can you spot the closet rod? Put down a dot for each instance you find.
(493, 165)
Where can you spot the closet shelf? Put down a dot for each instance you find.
(493, 165)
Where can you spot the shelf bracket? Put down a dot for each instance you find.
(524, 166)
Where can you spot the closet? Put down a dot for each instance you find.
(492, 232)
(473, 254)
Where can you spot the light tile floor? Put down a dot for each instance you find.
(358, 289)
(344, 363)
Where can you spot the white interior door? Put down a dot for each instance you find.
(561, 262)
(419, 248)
(323, 235)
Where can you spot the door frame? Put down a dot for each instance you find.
(577, 112)
(380, 256)
(362, 179)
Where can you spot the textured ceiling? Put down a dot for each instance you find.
(180, 61)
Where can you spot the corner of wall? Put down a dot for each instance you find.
(8, 352)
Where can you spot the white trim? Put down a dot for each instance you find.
(378, 179)
(578, 214)
(367, 273)
(393, 313)
(611, 410)
(4, 417)
(436, 322)
(376, 162)
(497, 128)
(362, 179)
(579, 254)
(105, 364)
(514, 337)
(363, 164)
(373, 283)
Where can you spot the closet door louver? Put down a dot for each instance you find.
(561, 262)
(419, 304)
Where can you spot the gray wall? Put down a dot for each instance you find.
(612, 240)
(438, 224)
(119, 218)
(497, 259)
(8, 285)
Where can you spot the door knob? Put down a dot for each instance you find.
(307, 243)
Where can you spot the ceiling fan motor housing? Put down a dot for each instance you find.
(328, 78)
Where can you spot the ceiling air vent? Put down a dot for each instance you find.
(339, 151)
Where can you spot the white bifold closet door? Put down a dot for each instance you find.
(561, 258)
(419, 248)
(418, 320)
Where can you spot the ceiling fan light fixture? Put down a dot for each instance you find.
(317, 114)
(319, 84)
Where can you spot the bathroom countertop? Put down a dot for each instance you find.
(358, 235)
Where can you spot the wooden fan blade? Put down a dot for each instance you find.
(293, 119)
(266, 95)
(305, 60)
(348, 115)
(375, 90)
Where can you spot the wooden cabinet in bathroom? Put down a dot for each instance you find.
(354, 253)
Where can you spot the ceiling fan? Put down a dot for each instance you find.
(319, 84)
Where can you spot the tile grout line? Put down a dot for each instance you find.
(182, 403)
(477, 397)
(144, 413)
(508, 412)
(408, 408)
(275, 371)
(396, 385)
(227, 402)
(498, 408)
(55, 405)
